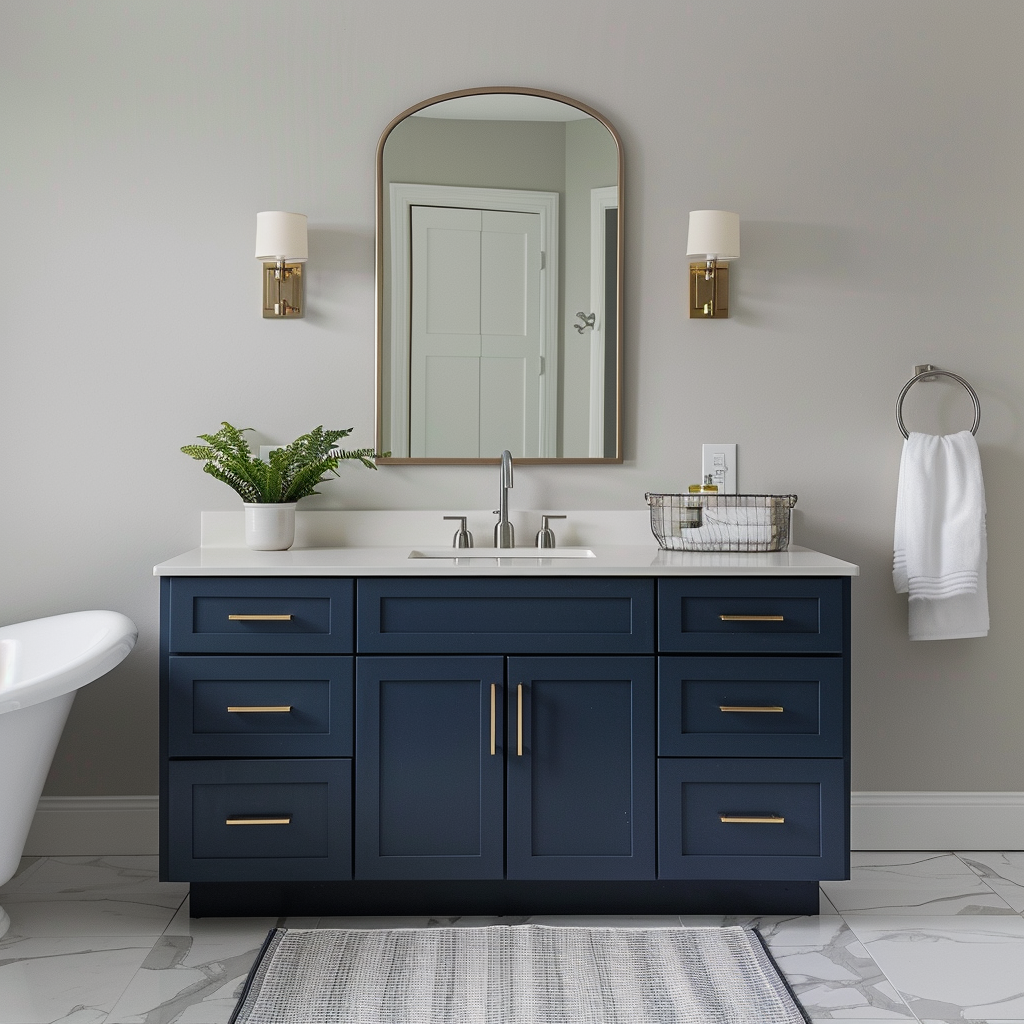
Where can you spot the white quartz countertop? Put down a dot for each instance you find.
(343, 544)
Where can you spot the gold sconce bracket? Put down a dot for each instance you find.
(709, 291)
(282, 291)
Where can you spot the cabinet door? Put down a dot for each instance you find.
(429, 777)
(581, 768)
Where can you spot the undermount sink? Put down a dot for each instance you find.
(501, 553)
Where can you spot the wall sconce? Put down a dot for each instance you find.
(714, 238)
(281, 244)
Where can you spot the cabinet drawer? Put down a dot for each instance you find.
(581, 768)
(265, 706)
(507, 616)
(750, 707)
(260, 820)
(752, 818)
(784, 616)
(260, 616)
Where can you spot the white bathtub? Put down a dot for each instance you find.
(42, 663)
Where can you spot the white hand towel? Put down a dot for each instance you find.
(939, 548)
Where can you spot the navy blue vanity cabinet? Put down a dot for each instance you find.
(253, 820)
(750, 706)
(257, 705)
(432, 748)
(430, 767)
(505, 744)
(752, 614)
(260, 706)
(511, 615)
(753, 728)
(744, 817)
(581, 757)
(256, 615)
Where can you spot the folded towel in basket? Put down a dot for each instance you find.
(729, 528)
(939, 545)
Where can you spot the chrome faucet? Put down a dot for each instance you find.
(504, 534)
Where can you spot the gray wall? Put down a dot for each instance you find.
(872, 150)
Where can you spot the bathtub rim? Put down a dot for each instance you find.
(112, 642)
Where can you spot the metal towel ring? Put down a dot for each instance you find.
(931, 371)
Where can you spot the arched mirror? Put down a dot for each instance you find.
(499, 281)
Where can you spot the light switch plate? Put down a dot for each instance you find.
(720, 461)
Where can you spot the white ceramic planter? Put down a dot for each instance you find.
(270, 527)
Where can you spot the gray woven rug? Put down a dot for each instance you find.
(521, 974)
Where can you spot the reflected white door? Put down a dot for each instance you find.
(475, 366)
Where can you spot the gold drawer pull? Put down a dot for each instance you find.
(259, 618)
(774, 708)
(519, 720)
(286, 820)
(743, 819)
(752, 618)
(260, 710)
(494, 687)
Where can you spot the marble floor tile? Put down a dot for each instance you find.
(952, 968)
(839, 980)
(119, 913)
(182, 924)
(1001, 872)
(66, 980)
(25, 864)
(778, 931)
(913, 883)
(193, 978)
(87, 875)
(781, 930)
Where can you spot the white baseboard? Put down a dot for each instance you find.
(937, 821)
(95, 825)
(85, 826)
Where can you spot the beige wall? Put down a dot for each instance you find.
(872, 150)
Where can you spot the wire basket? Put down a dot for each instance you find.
(721, 522)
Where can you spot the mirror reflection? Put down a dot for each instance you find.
(498, 281)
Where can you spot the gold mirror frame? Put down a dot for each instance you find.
(520, 90)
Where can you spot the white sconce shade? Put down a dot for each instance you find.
(713, 235)
(281, 236)
(281, 244)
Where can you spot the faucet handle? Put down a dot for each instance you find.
(463, 538)
(546, 536)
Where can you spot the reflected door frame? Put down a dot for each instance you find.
(601, 200)
(402, 198)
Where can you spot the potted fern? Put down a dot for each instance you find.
(271, 489)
